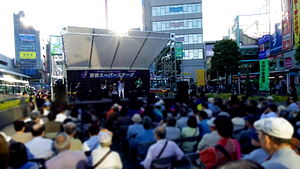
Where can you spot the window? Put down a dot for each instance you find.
(193, 54)
(176, 9)
(176, 24)
(189, 38)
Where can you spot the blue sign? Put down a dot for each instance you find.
(276, 39)
(27, 37)
(264, 46)
(30, 72)
(176, 9)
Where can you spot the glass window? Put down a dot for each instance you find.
(176, 9)
(163, 11)
(153, 11)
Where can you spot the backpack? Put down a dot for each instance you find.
(209, 158)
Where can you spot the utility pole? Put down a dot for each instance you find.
(106, 15)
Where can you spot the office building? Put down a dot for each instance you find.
(184, 18)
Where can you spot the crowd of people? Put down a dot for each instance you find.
(233, 133)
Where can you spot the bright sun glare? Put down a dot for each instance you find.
(123, 15)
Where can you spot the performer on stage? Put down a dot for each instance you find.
(121, 88)
(138, 84)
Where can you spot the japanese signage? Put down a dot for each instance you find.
(94, 74)
(27, 37)
(296, 6)
(264, 82)
(276, 39)
(27, 55)
(288, 63)
(286, 25)
(264, 46)
(178, 50)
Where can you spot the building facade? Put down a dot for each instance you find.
(28, 51)
(184, 19)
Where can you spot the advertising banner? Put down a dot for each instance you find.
(264, 82)
(27, 55)
(55, 45)
(288, 63)
(286, 25)
(264, 46)
(276, 39)
(296, 6)
(200, 77)
(178, 50)
(209, 50)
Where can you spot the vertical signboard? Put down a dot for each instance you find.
(56, 45)
(276, 39)
(264, 46)
(28, 51)
(200, 77)
(178, 50)
(296, 6)
(286, 25)
(264, 82)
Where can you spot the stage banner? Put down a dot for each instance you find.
(286, 25)
(200, 77)
(264, 82)
(296, 6)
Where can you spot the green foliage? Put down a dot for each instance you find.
(226, 57)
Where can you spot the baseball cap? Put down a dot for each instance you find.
(105, 136)
(275, 126)
(238, 123)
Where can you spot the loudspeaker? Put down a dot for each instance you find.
(182, 92)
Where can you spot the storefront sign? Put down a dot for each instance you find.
(276, 39)
(264, 46)
(264, 82)
(286, 25)
(296, 6)
(288, 63)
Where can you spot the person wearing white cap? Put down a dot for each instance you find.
(209, 139)
(274, 134)
(103, 157)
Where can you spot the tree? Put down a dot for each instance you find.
(226, 57)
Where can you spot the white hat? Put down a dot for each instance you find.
(105, 136)
(210, 122)
(211, 100)
(238, 123)
(136, 118)
(270, 98)
(275, 126)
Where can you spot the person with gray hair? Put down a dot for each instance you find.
(65, 157)
(70, 129)
(162, 148)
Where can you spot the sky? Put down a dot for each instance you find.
(49, 16)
